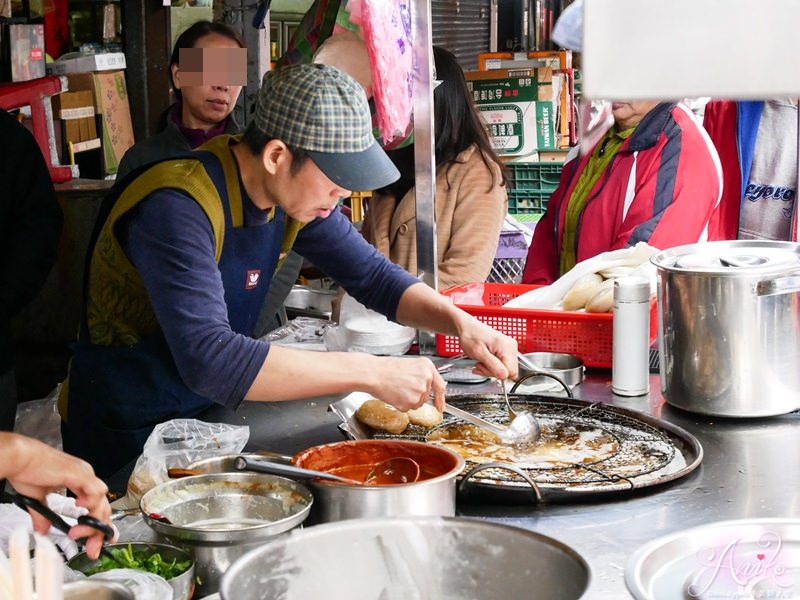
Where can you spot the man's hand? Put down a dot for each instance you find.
(406, 383)
(495, 352)
(35, 469)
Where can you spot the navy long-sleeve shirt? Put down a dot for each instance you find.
(169, 240)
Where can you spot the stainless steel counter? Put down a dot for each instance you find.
(751, 468)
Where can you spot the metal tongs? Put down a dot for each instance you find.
(26, 502)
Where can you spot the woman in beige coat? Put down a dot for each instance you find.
(470, 190)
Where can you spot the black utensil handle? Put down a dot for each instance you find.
(26, 502)
(106, 530)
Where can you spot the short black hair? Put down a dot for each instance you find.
(255, 140)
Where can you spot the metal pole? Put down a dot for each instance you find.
(424, 165)
(493, 26)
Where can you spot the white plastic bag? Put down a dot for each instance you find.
(39, 419)
(178, 443)
(12, 518)
(144, 585)
(363, 330)
(550, 296)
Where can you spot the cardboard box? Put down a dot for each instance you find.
(76, 112)
(555, 59)
(112, 61)
(518, 108)
(111, 103)
(22, 52)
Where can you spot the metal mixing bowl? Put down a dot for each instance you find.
(225, 463)
(220, 516)
(182, 585)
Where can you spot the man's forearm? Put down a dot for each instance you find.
(423, 308)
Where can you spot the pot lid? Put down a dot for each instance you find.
(731, 257)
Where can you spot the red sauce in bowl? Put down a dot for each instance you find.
(355, 459)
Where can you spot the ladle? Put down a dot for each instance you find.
(521, 433)
(399, 469)
(393, 470)
(244, 464)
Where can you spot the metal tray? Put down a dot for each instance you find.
(678, 453)
(742, 560)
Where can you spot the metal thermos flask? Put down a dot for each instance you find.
(630, 372)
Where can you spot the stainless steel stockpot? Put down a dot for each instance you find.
(409, 558)
(433, 495)
(729, 327)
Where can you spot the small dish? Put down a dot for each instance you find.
(567, 367)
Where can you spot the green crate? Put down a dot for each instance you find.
(541, 177)
(526, 202)
(530, 187)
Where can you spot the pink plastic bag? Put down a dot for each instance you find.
(386, 29)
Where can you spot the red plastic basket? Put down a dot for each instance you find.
(586, 335)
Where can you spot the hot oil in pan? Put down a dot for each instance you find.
(585, 447)
(561, 445)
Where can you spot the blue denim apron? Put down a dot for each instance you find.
(118, 394)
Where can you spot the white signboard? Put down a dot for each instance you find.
(656, 49)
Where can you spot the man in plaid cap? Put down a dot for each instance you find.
(183, 255)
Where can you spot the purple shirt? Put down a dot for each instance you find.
(197, 137)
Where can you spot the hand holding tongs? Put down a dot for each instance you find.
(26, 502)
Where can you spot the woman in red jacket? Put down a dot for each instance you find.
(654, 177)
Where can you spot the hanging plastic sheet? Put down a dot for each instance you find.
(371, 41)
(386, 30)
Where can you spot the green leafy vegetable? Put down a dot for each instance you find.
(152, 562)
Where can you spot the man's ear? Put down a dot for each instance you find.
(276, 157)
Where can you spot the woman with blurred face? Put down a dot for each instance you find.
(207, 71)
(653, 177)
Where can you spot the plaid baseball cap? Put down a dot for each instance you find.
(323, 111)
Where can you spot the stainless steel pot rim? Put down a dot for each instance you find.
(567, 367)
(734, 258)
(645, 557)
(373, 489)
(228, 536)
(374, 523)
(554, 361)
(402, 523)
